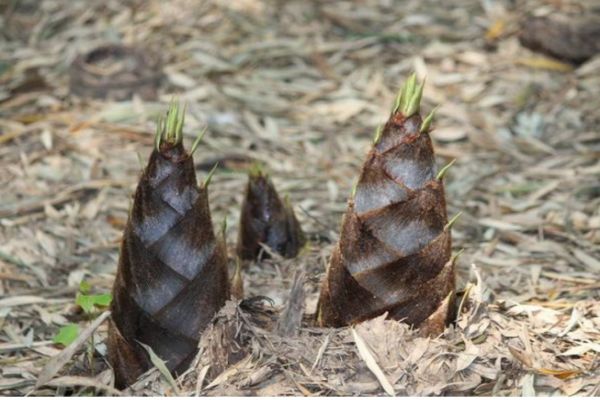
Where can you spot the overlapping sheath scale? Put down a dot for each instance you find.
(172, 275)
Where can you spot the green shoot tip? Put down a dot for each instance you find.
(257, 169)
(198, 140)
(210, 175)
(171, 127)
(426, 124)
(452, 221)
(445, 169)
(378, 133)
(408, 100)
(401, 99)
(354, 188)
(455, 256)
(414, 102)
(159, 132)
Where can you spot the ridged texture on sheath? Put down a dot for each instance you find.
(394, 248)
(172, 272)
(265, 218)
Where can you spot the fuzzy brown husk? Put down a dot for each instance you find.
(266, 219)
(172, 272)
(393, 253)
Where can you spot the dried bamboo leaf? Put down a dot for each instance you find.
(162, 367)
(368, 358)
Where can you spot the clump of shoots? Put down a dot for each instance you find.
(408, 101)
(169, 129)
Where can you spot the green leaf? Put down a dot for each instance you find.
(85, 287)
(102, 300)
(67, 334)
(85, 301)
(88, 301)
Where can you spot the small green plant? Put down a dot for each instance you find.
(90, 304)
(67, 334)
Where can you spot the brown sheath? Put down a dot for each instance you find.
(266, 219)
(394, 248)
(172, 272)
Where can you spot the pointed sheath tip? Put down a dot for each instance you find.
(399, 101)
(405, 93)
(171, 120)
(414, 102)
(452, 221)
(287, 202)
(411, 82)
(354, 188)
(198, 140)
(256, 169)
(378, 132)
(174, 123)
(456, 256)
(159, 133)
(426, 124)
(209, 176)
(224, 228)
(442, 173)
(179, 124)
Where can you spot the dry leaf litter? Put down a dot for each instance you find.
(301, 86)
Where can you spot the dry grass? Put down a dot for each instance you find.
(301, 85)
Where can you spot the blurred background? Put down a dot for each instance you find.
(301, 86)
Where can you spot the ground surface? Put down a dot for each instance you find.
(301, 85)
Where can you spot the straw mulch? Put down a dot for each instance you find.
(301, 86)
